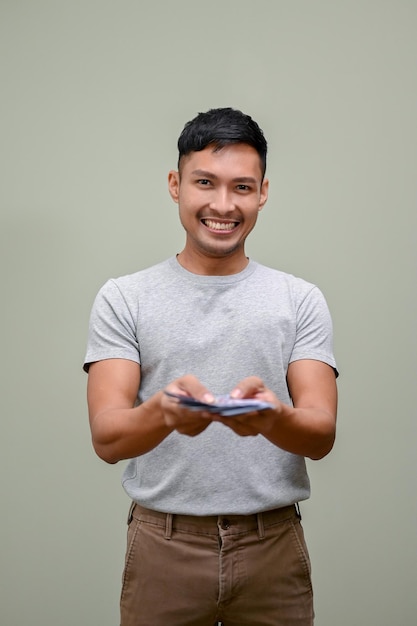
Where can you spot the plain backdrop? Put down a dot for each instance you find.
(93, 97)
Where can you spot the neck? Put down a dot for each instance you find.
(211, 266)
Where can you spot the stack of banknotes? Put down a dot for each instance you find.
(222, 405)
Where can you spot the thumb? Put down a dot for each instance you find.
(247, 388)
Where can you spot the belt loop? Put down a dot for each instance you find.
(130, 514)
(261, 529)
(297, 510)
(168, 526)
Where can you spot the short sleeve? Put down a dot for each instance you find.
(112, 328)
(314, 331)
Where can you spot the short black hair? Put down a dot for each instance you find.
(219, 128)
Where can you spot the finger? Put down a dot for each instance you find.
(248, 387)
(190, 385)
(243, 431)
(191, 431)
(240, 428)
(182, 419)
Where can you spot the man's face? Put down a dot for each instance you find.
(219, 193)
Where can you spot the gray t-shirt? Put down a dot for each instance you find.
(221, 329)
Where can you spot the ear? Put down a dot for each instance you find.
(264, 193)
(174, 185)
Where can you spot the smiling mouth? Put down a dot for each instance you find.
(223, 226)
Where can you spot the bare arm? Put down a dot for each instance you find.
(119, 429)
(308, 427)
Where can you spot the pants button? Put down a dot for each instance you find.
(225, 524)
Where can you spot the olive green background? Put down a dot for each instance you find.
(93, 97)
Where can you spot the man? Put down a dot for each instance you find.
(214, 529)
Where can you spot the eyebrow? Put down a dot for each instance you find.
(238, 179)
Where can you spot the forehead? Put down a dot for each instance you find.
(238, 159)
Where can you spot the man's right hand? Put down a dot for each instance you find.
(180, 418)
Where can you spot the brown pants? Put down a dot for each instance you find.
(240, 570)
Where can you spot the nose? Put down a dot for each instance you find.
(222, 201)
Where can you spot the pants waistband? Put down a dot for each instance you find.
(213, 524)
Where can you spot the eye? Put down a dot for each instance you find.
(203, 181)
(242, 187)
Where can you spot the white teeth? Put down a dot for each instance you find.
(219, 225)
